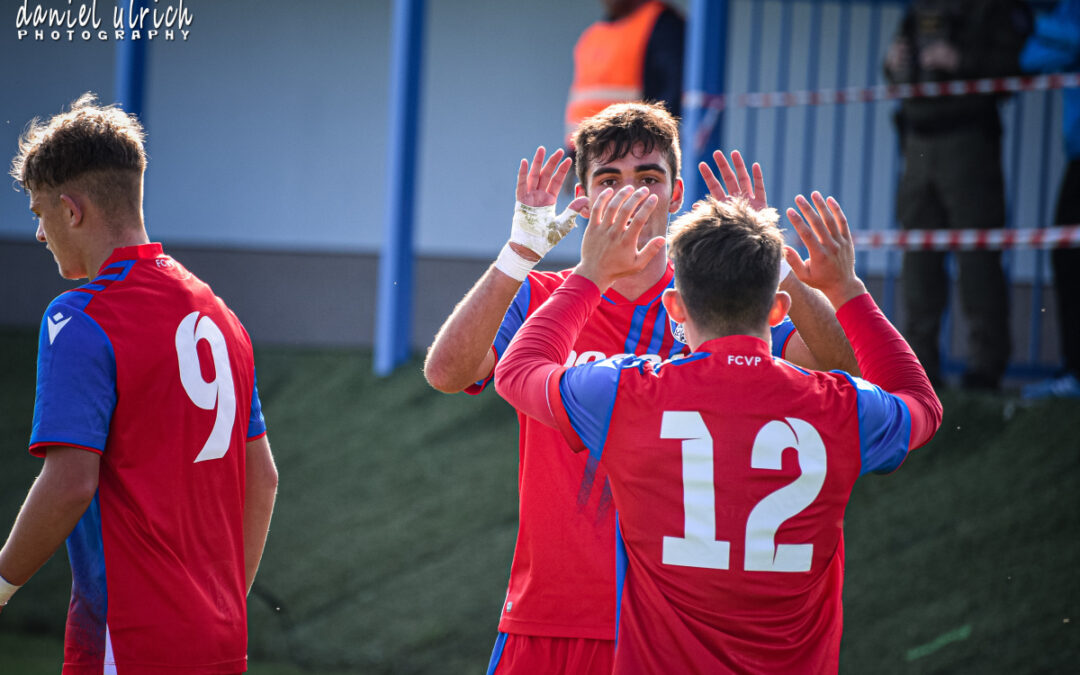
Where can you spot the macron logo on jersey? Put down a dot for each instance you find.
(56, 324)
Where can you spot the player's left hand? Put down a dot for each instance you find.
(738, 181)
(824, 230)
(609, 248)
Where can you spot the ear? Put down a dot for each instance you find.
(673, 303)
(781, 305)
(676, 196)
(579, 191)
(72, 210)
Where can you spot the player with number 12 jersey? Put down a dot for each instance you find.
(146, 366)
(566, 497)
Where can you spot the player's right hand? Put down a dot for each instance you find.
(539, 183)
(738, 181)
(536, 227)
(824, 230)
(609, 249)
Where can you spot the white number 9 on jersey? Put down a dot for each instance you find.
(220, 392)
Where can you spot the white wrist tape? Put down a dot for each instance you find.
(538, 229)
(513, 265)
(6, 591)
(785, 268)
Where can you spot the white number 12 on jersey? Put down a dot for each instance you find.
(220, 392)
(698, 547)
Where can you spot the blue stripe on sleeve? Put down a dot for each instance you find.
(256, 421)
(512, 320)
(588, 395)
(780, 335)
(884, 427)
(514, 317)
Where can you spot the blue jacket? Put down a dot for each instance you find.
(1055, 47)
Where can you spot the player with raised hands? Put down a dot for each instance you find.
(730, 468)
(559, 611)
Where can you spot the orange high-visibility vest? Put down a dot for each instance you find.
(609, 63)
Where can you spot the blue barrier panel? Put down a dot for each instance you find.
(393, 318)
(703, 76)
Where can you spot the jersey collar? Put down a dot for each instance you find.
(139, 252)
(646, 298)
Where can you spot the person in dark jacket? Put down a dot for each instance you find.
(952, 172)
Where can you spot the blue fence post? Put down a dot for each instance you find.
(873, 68)
(130, 66)
(393, 316)
(706, 52)
(753, 83)
(778, 168)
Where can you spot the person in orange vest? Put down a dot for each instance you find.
(635, 54)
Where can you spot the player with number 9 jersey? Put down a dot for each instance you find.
(146, 366)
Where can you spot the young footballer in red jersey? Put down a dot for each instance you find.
(730, 468)
(148, 418)
(559, 612)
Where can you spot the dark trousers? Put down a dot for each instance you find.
(953, 180)
(1066, 263)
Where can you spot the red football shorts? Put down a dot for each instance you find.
(531, 655)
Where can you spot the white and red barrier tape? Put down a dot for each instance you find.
(882, 92)
(1063, 236)
(714, 104)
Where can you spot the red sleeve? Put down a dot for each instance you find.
(886, 360)
(534, 358)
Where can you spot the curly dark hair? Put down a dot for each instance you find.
(618, 129)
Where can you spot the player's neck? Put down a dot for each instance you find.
(695, 336)
(128, 235)
(632, 287)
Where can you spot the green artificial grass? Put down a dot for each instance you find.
(395, 522)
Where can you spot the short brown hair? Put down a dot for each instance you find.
(618, 129)
(727, 264)
(98, 147)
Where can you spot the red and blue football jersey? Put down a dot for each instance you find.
(146, 366)
(562, 579)
(731, 470)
